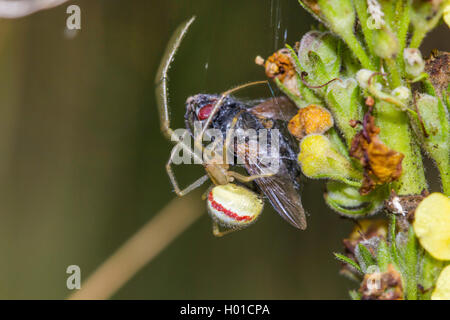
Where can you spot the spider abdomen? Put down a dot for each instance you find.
(234, 206)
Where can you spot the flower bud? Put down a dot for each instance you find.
(402, 93)
(432, 225)
(363, 77)
(343, 98)
(318, 159)
(414, 63)
(310, 119)
(347, 200)
(385, 43)
(279, 66)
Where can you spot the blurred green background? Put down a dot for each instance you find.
(82, 158)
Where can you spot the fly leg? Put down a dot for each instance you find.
(243, 178)
(218, 104)
(234, 174)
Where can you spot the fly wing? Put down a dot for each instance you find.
(278, 108)
(282, 188)
(282, 193)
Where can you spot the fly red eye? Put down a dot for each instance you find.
(205, 111)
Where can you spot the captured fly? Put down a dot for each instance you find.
(233, 206)
(283, 187)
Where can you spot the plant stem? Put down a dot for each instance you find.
(361, 10)
(395, 133)
(394, 74)
(142, 247)
(402, 32)
(444, 170)
(422, 29)
(417, 38)
(411, 265)
(353, 43)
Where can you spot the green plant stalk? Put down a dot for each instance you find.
(394, 250)
(443, 163)
(344, 29)
(396, 134)
(389, 8)
(411, 263)
(392, 116)
(361, 10)
(430, 269)
(421, 31)
(353, 43)
(444, 171)
(402, 31)
(417, 38)
(394, 73)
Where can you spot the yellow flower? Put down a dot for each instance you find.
(442, 291)
(432, 226)
(446, 13)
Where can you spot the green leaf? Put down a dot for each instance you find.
(388, 8)
(354, 295)
(305, 5)
(403, 20)
(392, 241)
(383, 256)
(365, 258)
(432, 129)
(319, 57)
(361, 10)
(307, 94)
(337, 142)
(347, 201)
(348, 261)
(343, 100)
(430, 269)
(410, 258)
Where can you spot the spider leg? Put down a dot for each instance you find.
(216, 230)
(161, 80)
(205, 194)
(181, 145)
(174, 182)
